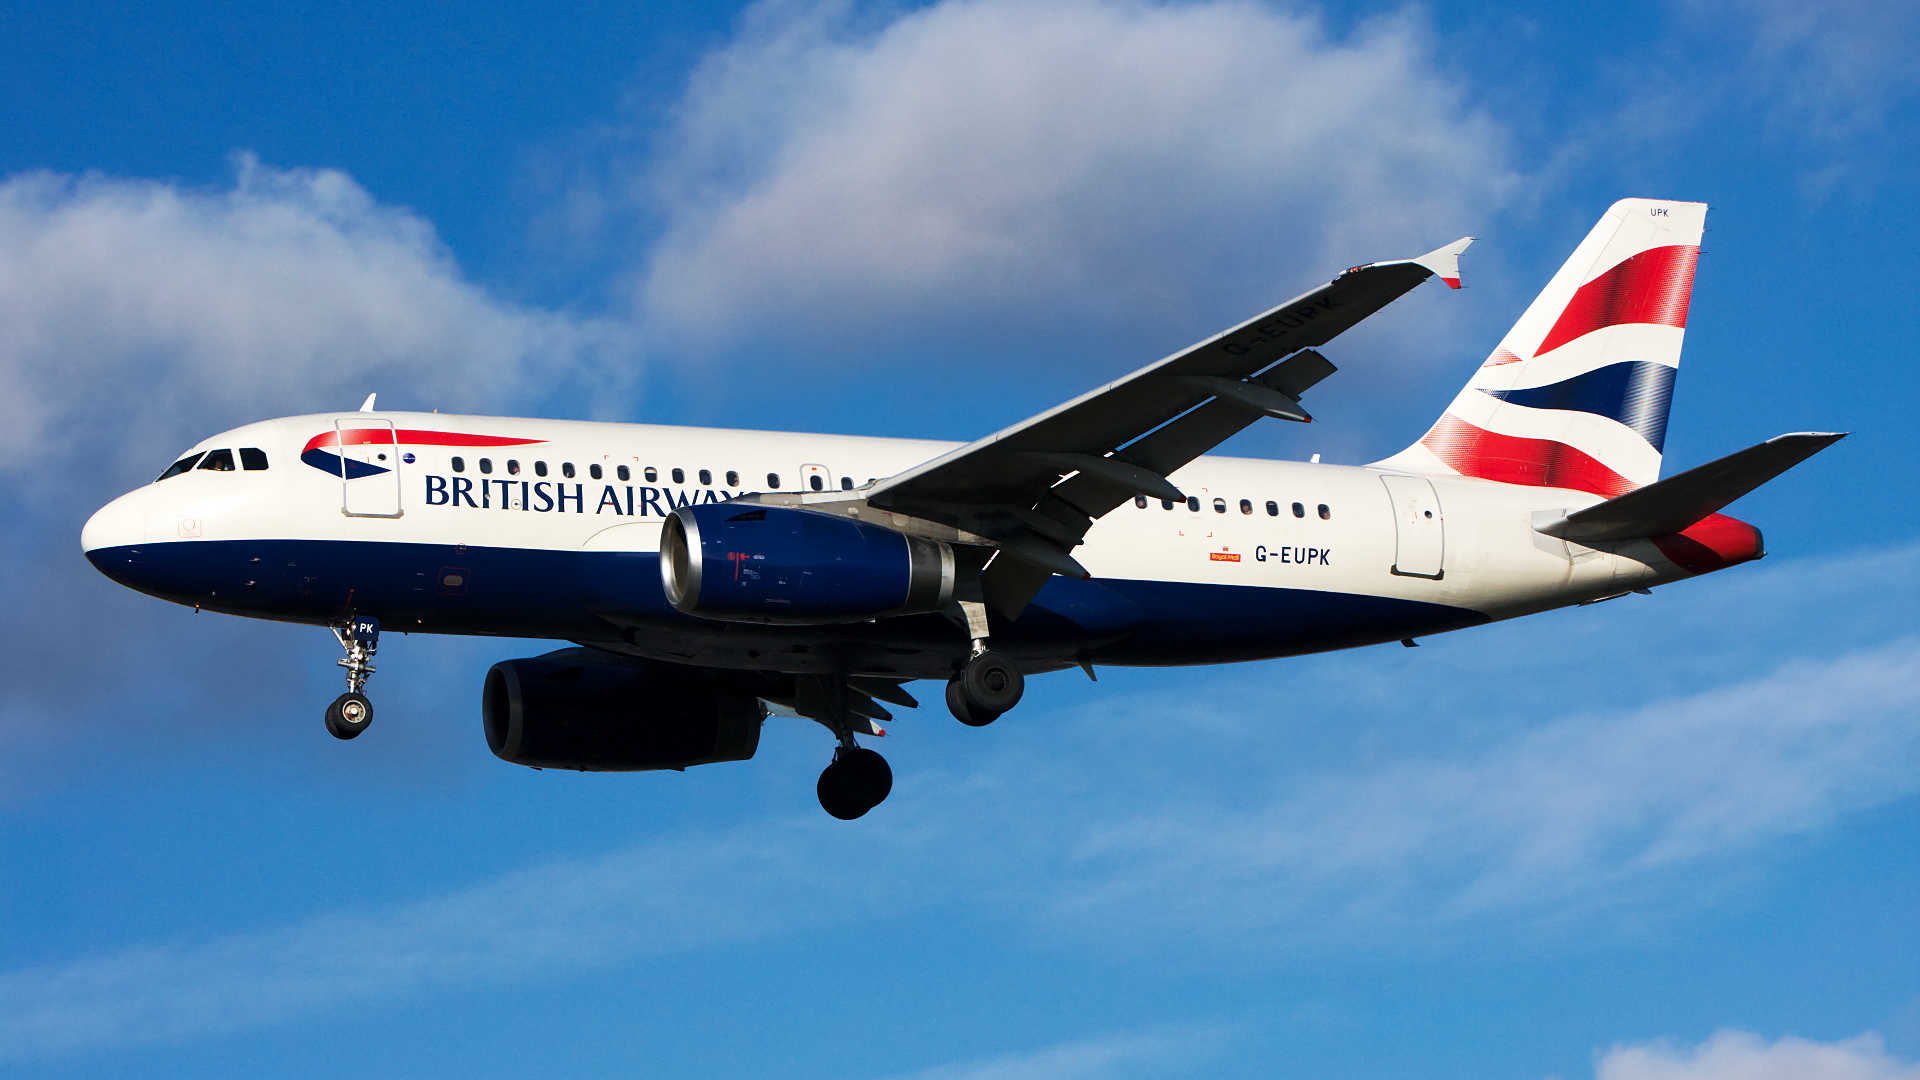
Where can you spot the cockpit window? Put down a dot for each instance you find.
(253, 459)
(179, 467)
(218, 461)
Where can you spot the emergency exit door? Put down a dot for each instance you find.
(1419, 531)
(369, 468)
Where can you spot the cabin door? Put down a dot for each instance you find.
(369, 468)
(1419, 530)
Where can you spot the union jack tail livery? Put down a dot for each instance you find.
(1576, 394)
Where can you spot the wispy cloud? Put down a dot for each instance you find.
(1585, 809)
(646, 900)
(1739, 1055)
(1167, 1052)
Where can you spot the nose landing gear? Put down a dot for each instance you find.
(351, 712)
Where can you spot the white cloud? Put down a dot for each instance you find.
(1738, 1055)
(985, 162)
(136, 315)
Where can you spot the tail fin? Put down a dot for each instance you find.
(1576, 395)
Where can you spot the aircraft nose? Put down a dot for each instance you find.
(120, 523)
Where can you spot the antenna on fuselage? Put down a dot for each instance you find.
(367, 405)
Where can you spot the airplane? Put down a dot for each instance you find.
(707, 579)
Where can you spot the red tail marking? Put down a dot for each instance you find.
(1499, 357)
(1651, 287)
(1510, 459)
(1715, 542)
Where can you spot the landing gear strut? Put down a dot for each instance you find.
(351, 712)
(989, 684)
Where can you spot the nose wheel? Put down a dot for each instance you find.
(351, 712)
(349, 715)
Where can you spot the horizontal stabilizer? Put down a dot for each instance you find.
(1668, 506)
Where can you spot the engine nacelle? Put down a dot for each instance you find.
(741, 562)
(570, 710)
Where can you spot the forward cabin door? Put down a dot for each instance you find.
(369, 468)
(1419, 530)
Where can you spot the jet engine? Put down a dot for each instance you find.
(774, 564)
(587, 710)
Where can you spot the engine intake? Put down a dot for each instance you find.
(576, 709)
(774, 564)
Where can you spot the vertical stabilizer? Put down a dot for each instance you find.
(1576, 394)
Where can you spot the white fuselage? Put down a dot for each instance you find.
(572, 510)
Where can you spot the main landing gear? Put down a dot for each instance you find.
(989, 684)
(857, 779)
(351, 712)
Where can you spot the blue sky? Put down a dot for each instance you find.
(1668, 836)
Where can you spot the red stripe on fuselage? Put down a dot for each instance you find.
(411, 437)
(1651, 287)
(1510, 459)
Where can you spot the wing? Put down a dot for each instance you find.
(1034, 489)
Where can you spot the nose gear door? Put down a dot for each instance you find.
(369, 468)
(1418, 529)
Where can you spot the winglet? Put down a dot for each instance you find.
(1446, 261)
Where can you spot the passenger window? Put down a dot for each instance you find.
(253, 459)
(623, 472)
(218, 461)
(1273, 508)
(1299, 511)
(459, 464)
(1140, 501)
(679, 476)
(846, 483)
(1219, 506)
(1326, 513)
(773, 481)
(1193, 503)
(594, 471)
(486, 465)
(179, 467)
(566, 469)
(513, 467)
(1246, 506)
(733, 478)
(706, 477)
(650, 473)
(816, 483)
(539, 468)
(1166, 504)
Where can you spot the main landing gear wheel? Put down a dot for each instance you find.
(987, 687)
(349, 715)
(857, 781)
